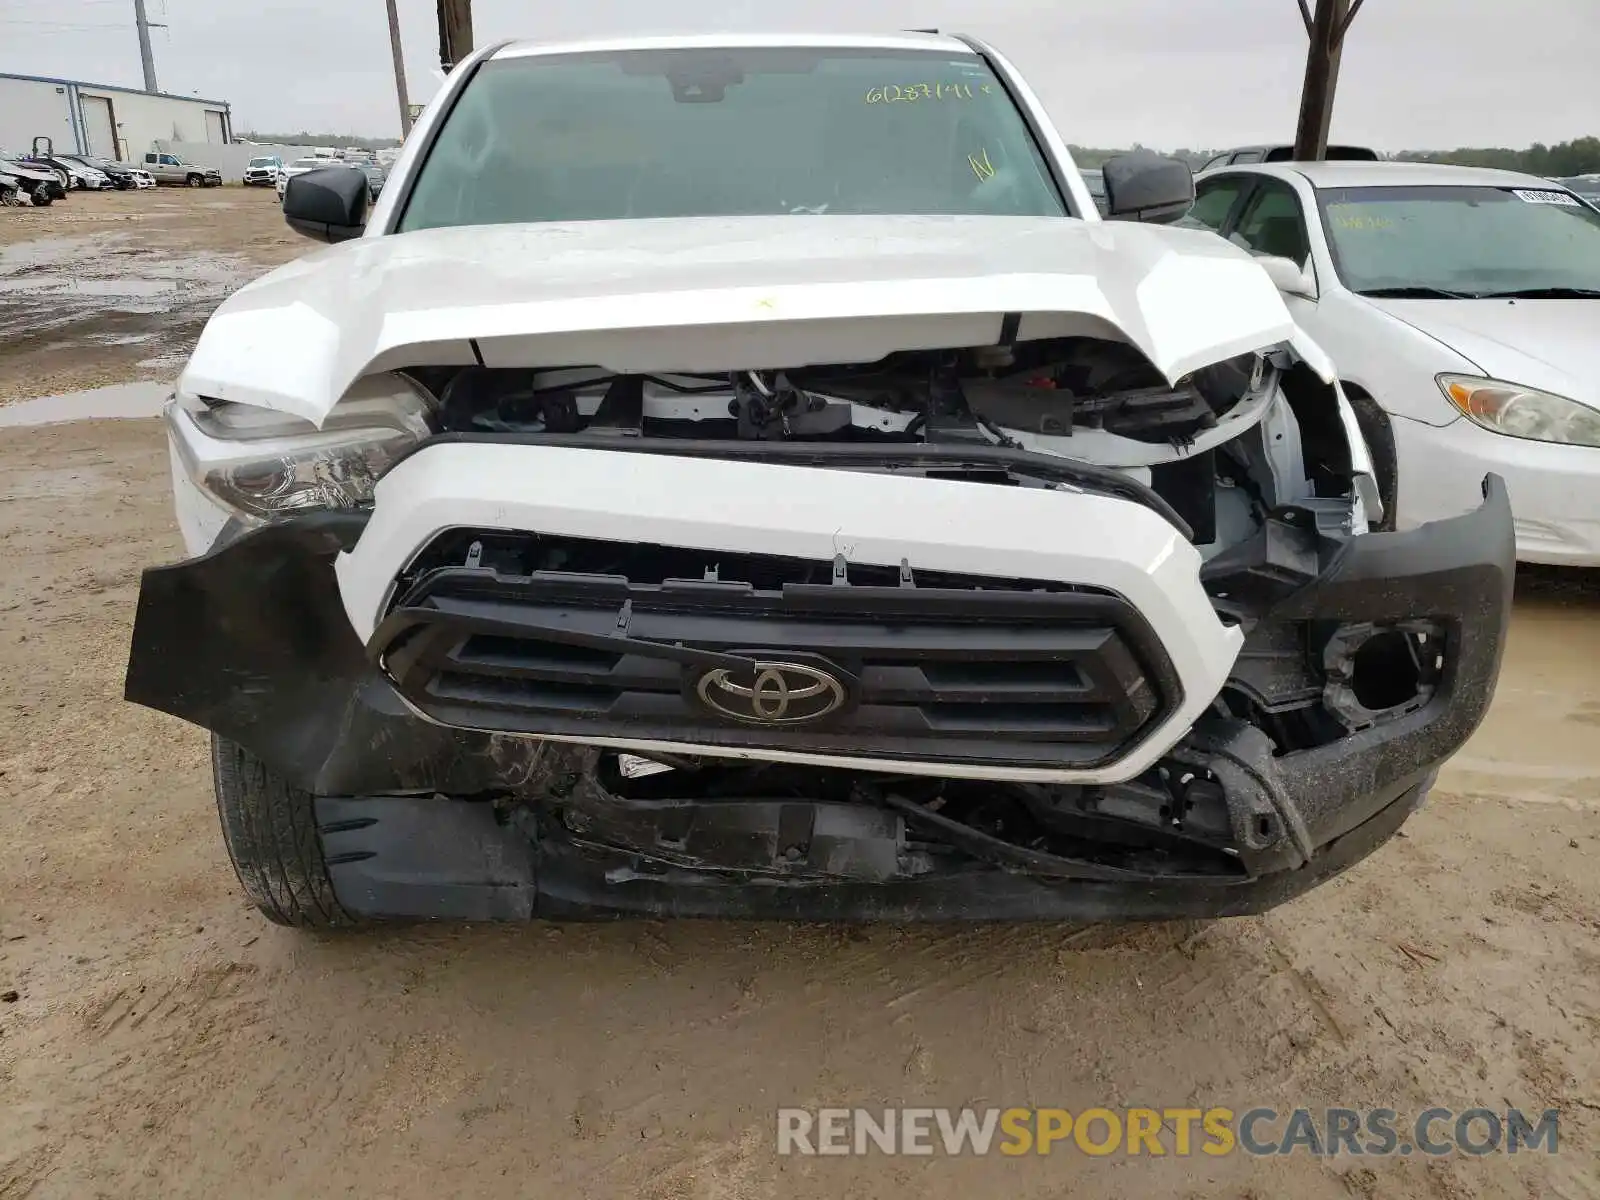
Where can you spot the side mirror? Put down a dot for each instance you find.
(327, 205)
(1147, 187)
(1289, 276)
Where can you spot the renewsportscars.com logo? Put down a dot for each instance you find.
(1156, 1132)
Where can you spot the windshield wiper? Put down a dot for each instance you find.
(1544, 293)
(1415, 292)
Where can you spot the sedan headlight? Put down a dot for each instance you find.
(263, 464)
(1522, 412)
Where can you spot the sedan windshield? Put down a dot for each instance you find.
(1455, 242)
(730, 132)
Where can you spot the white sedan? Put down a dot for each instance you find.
(1463, 309)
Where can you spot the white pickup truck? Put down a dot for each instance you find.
(170, 169)
(745, 476)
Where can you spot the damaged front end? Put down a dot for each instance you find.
(1306, 761)
(1020, 630)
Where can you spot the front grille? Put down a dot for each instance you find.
(961, 670)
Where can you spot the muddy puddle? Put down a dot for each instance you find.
(120, 400)
(108, 285)
(111, 287)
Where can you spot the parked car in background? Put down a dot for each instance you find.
(1462, 307)
(171, 170)
(375, 174)
(42, 184)
(1586, 187)
(754, 512)
(122, 177)
(299, 167)
(1283, 152)
(1095, 180)
(262, 171)
(141, 178)
(79, 175)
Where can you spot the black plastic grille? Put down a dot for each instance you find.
(964, 672)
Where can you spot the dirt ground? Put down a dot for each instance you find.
(106, 288)
(163, 1040)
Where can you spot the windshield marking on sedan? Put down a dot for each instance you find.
(891, 93)
(1532, 197)
(1359, 220)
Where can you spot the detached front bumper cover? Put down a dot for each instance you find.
(252, 641)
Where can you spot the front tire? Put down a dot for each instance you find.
(196, 181)
(270, 828)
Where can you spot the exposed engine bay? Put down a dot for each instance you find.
(1091, 402)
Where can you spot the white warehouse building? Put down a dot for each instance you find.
(99, 119)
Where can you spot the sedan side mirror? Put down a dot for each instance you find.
(1142, 186)
(328, 204)
(1289, 276)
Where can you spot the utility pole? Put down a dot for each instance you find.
(399, 70)
(145, 54)
(455, 32)
(1326, 28)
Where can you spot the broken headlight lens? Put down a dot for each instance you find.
(262, 464)
(1522, 412)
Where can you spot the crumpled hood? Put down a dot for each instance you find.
(1553, 345)
(727, 294)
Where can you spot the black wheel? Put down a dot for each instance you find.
(271, 832)
(42, 197)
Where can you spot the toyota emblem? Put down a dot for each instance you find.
(776, 693)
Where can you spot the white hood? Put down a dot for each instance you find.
(727, 294)
(1552, 345)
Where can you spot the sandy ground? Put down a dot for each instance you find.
(166, 1041)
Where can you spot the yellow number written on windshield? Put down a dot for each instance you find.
(896, 92)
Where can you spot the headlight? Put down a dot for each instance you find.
(264, 464)
(1522, 412)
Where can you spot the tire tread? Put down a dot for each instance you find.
(270, 829)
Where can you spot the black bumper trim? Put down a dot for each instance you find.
(437, 860)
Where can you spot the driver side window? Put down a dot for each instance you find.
(1273, 223)
(1215, 198)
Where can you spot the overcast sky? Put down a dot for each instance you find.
(1168, 73)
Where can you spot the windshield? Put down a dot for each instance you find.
(1470, 241)
(262, 162)
(730, 132)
